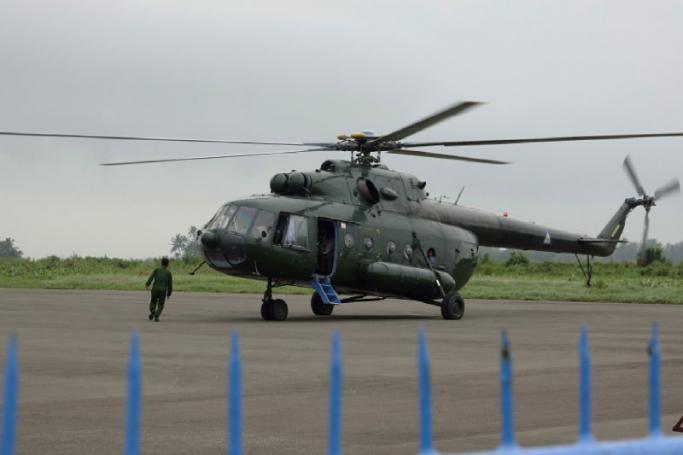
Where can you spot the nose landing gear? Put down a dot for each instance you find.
(273, 309)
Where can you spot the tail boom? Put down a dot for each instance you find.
(504, 232)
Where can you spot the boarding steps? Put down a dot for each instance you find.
(324, 288)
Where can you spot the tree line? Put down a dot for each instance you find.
(626, 252)
(9, 249)
(187, 246)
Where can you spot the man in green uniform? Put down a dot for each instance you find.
(162, 288)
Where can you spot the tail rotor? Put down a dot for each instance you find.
(647, 201)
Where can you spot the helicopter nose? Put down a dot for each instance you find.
(210, 240)
(224, 246)
(234, 249)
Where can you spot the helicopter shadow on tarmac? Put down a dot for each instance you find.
(329, 319)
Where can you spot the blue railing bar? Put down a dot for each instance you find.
(335, 421)
(507, 437)
(9, 425)
(654, 443)
(647, 446)
(132, 444)
(424, 386)
(653, 350)
(235, 397)
(584, 387)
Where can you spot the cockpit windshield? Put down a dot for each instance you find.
(242, 220)
(221, 218)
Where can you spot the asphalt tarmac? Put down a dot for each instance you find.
(73, 347)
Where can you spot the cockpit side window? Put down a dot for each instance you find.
(296, 233)
(264, 223)
(241, 222)
(221, 218)
(292, 230)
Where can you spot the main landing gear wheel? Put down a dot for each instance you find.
(453, 306)
(319, 308)
(274, 310)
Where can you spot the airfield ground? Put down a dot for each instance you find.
(73, 347)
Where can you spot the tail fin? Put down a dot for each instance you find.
(615, 226)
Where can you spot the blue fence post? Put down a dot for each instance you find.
(426, 446)
(585, 434)
(9, 425)
(653, 350)
(235, 397)
(507, 437)
(132, 445)
(335, 421)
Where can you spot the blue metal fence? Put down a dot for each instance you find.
(9, 422)
(134, 398)
(654, 443)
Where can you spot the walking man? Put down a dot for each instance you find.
(162, 289)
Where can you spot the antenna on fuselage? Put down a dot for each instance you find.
(457, 199)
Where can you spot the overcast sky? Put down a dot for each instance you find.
(307, 70)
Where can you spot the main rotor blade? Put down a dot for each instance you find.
(212, 157)
(672, 187)
(443, 156)
(540, 139)
(631, 171)
(161, 139)
(426, 122)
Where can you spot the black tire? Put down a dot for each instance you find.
(319, 308)
(453, 306)
(265, 311)
(277, 310)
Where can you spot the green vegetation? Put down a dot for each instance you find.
(115, 274)
(8, 249)
(660, 282)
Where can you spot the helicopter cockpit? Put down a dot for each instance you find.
(224, 237)
(238, 220)
(248, 238)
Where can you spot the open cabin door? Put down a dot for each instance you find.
(326, 247)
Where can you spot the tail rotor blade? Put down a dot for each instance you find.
(643, 245)
(672, 187)
(630, 170)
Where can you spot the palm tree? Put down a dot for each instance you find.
(178, 245)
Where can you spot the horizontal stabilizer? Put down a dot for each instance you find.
(602, 241)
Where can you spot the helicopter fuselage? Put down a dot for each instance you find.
(372, 231)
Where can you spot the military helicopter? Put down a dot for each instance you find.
(357, 228)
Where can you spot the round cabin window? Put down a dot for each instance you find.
(348, 241)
